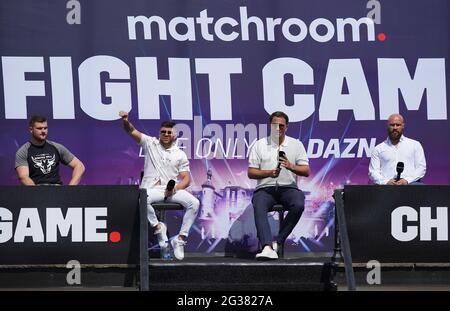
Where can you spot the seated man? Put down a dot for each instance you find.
(37, 161)
(277, 182)
(397, 148)
(164, 161)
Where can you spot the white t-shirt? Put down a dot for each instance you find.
(385, 156)
(264, 156)
(161, 164)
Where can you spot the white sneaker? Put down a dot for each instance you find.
(161, 234)
(178, 247)
(267, 254)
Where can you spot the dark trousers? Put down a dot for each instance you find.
(263, 199)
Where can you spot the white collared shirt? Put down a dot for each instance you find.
(161, 164)
(385, 156)
(264, 156)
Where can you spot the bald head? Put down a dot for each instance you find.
(395, 127)
(396, 118)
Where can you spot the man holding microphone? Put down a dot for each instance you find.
(275, 162)
(166, 176)
(398, 160)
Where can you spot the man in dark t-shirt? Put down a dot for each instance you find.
(37, 161)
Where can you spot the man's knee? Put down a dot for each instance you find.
(193, 204)
(259, 207)
(259, 213)
(297, 207)
(261, 200)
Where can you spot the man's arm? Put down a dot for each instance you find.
(254, 163)
(420, 164)
(420, 167)
(185, 180)
(299, 170)
(77, 171)
(24, 176)
(256, 173)
(129, 128)
(375, 170)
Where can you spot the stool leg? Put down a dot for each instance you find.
(281, 218)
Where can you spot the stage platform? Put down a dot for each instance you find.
(194, 273)
(215, 273)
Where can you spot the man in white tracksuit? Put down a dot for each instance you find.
(164, 161)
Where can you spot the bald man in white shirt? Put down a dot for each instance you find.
(397, 148)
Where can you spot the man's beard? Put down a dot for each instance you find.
(39, 138)
(395, 135)
(168, 143)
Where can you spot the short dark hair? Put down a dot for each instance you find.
(279, 114)
(168, 124)
(38, 119)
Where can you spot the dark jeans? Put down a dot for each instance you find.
(293, 201)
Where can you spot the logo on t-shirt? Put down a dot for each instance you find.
(44, 162)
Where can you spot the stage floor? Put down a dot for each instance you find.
(221, 260)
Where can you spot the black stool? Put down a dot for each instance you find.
(279, 208)
(162, 206)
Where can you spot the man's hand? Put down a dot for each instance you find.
(402, 182)
(129, 128)
(300, 170)
(274, 173)
(285, 163)
(169, 193)
(393, 182)
(123, 115)
(256, 173)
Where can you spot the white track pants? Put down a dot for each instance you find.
(186, 199)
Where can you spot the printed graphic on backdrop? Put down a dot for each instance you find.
(219, 69)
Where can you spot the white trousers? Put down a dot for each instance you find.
(186, 199)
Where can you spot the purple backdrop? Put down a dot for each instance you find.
(219, 68)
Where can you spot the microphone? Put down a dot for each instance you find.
(170, 186)
(280, 155)
(400, 167)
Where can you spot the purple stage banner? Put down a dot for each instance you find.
(219, 69)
